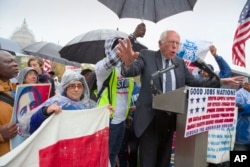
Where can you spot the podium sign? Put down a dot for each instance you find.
(208, 109)
(198, 110)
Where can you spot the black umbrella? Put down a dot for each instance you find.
(89, 47)
(10, 46)
(152, 10)
(49, 51)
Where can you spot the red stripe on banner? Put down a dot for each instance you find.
(86, 151)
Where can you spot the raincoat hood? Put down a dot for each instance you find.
(23, 73)
(69, 77)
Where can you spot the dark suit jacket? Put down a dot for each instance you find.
(146, 64)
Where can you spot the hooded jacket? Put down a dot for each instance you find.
(23, 74)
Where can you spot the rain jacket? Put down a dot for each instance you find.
(36, 119)
(225, 70)
(243, 122)
(23, 74)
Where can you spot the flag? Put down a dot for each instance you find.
(47, 65)
(69, 139)
(190, 50)
(241, 35)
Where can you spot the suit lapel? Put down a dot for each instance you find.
(175, 60)
(159, 66)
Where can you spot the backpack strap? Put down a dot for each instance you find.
(6, 98)
(104, 85)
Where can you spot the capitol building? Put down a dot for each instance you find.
(23, 35)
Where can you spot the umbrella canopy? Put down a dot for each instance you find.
(89, 47)
(10, 46)
(152, 10)
(49, 51)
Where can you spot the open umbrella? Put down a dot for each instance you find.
(89, 47)
(10, 46)
(152, 10)
(49, 51)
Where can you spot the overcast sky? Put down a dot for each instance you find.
(59, 21)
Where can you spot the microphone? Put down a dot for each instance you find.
(203, 66)
(156, 74)
(159, 72)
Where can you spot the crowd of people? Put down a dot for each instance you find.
(138, 133)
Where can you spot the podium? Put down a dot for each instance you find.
(190, 151)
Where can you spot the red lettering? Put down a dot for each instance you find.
(211, 110)
(190, 120)
(215, 115)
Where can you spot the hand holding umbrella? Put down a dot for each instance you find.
(89, 47)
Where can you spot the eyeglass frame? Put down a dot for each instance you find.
(172, 43)
(74, 86)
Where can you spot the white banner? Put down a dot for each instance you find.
(208, 109)
(191, 49)
(221, 142)
(71, 138)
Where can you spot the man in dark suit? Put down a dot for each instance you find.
(154, 127)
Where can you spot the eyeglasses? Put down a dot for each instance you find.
(74, 86)
(173, 43)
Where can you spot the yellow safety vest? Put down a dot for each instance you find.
(108, 95)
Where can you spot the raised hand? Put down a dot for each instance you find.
(126, 53)
(233, 81)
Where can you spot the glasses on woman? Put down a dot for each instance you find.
(74, 86)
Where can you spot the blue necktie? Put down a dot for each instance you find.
(168, 82)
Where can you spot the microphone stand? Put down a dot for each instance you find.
(155, 91)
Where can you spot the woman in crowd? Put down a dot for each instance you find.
(27, 75)
(73, 94)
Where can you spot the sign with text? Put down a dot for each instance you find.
(209, 108)
(221, 142)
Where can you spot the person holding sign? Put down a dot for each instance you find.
(29, 95)
(9, 69)
(73, 95)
